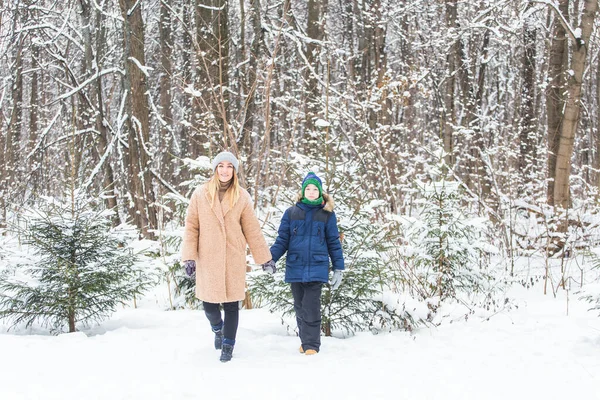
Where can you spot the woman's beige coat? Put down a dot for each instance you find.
(217, 237)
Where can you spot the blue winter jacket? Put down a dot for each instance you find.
(310, 236)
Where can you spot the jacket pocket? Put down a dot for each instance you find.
(320, 258)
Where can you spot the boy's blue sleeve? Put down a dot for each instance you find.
(283, 237)
(334, 246)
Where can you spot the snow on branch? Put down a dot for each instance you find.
(44, 133)
(142, 68)
(98, 8)
(132, 9)
(574, 34)
(88, 81)
(211, 8)
(59, 32)
(100, 163)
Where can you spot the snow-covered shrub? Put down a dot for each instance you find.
(591, 291)
(78, 269)
(445, 253)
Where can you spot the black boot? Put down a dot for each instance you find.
(218, 331)
(218, 339)
(226, 352)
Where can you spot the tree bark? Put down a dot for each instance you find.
(449, 114)
(555, 99)
(108, 186)
(528, 122)
(315, 29)
(251, 80)
(166, 85)
(34, 114)
(13, 134)
(597, 137)
(479, 146)
(221, 31)
(572, 107)
(187, 130)
(143, 212)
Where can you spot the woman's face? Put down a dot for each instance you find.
(225, 171)
(311, 192)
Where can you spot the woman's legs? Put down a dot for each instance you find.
(230, 325)
(232, 317)
(213, 313)
(225, 330)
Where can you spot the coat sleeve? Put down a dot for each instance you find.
(334, 246)
(189, 246)
(282, 242)
(253, 234)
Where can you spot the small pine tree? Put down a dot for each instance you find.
(82, 271)
(446, 247)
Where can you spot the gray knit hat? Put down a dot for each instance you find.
(225, 156)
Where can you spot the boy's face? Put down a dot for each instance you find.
(311, 192)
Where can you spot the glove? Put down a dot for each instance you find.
(190, 267)
(269, 267)
(336, 279)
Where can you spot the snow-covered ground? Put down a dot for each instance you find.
(534, 352)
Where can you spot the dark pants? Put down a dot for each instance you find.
(232, 317)
(307, 304)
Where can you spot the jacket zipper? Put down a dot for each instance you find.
(309, 246)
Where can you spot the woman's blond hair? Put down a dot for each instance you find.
(214, 184)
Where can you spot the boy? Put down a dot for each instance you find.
(308, 233)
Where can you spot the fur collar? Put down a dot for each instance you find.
(327, 198)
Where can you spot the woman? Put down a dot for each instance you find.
(220, 222)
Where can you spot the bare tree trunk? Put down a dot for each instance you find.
(380, 59)
(13, 136)
(187, 131)
(479, 146)
(597, 137)
(381, 120)
(34, 112)
(166, 85)
(221, 31)
(527, 131)
(252, 78)
(315, 27)
(449, 117)
(108, 186)
(143, 212)
(92, 63)
(572, 107)
(555, 99)
(204, 108)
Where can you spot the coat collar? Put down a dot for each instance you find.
(219, 208)
(328, 202)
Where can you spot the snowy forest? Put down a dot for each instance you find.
(460, 140)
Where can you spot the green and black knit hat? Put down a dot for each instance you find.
(315, 180)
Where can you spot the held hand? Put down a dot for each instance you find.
(269, 267)
(190, 267)
(336, 279)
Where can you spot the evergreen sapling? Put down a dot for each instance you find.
(81, 270)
